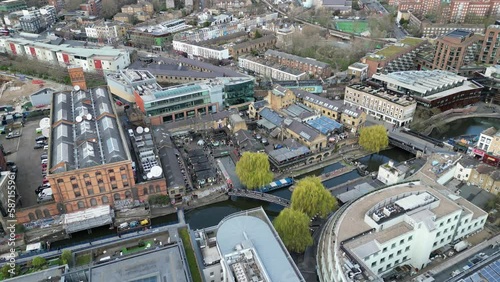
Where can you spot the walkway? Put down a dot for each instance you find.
(412, 143)
(260, 196)
(458, 116)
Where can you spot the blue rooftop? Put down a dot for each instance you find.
(325, 125)
(271, 116)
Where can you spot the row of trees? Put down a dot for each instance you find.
(36, 264)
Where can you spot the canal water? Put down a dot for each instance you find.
(211, 215)
(469, 126)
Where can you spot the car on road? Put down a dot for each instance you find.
(14, 134)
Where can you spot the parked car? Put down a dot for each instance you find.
(13, 168)
(46, 147)
(41, 138)
(14, 134)
(10, 163)
(43, 157)
(45, 161)
(39, 146)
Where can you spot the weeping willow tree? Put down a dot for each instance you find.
(293, 228)
(311, 198)
(373, 138)
(253, 170)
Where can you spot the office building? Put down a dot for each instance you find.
(310, 66)
(397, 57)
(456, 50)
(188, 100)
(381, 104)
(395, 226)
(9, 6)
(244, 246)
(269, 69)
(435, 88)
(90, 162)
(106, 32)
(90, 59)
(154, 37)
(489, 51)
(209, 52)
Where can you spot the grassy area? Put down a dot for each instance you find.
(83, 260)
(395, 49)
(137, 249)
(356, 27)
(191, 258)
(411, 41)
(54, 262)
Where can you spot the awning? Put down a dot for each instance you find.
(267, 124)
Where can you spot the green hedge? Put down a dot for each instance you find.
(191, 257)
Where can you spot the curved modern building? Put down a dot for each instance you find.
(396, 226)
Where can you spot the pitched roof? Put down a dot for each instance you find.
(303, 130)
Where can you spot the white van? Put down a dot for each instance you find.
(130, 133)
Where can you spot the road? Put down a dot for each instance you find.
(399, 32)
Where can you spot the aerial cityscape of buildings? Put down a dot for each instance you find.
(143, 112)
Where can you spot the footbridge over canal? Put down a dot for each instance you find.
(416, 143)
(260, 196)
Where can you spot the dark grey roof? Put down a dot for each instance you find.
(468, 162)
(260, 104)
(352, 111)
(285, 83)
(271, 116)
(86, 132)
(333, 105)
(298, 110)
(291, 57)
(285, 154)
(279, 90)
(303, 130)
(167, 153)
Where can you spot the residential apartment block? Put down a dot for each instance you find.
(435, 88)
(485, 177)
(396, 57)
(416, 6)
(9, 6)
(92, 7)
(90, 59)
(489, 50)
(391, 173)
(195, 50)
(310, 66)
(488, 147)
(269, 69)
(106, 32)
(399, 225)
(382, 104)
(456, 49)
(211, 32)
(37, 20)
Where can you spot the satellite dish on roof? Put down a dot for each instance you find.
(156, 171)
(146, 130)
(46, 132)
(89, 117)
(149, 175)
(79, 119)
(139, 130)
(77, 88)
(45, 123)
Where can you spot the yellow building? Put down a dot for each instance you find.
(306, 135)
(236, 123)
(280, 97)
(255, 107)
(486, 177)
(323, 106)
(353, 118)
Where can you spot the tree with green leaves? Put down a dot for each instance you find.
(311, 198)
(293, 228)
(38, 262)
(253, 170)
(373, 138)
(66, 257)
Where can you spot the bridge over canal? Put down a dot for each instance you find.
(260, 196)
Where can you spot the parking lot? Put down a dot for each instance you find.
(29, 175)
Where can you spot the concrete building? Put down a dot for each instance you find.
(455, 50)
(42, 97)
(310, 66)
(154, 37)
(37, 20)
(208, 33)
(491, 42)
(397, 57)
(192, 50)
(358, 71)
(280, 97)
(314, 86)
(399, 225)
(435, 30)
(189, 100)
(353, 118)
(89, 160)
(56, 274)
(468, 10)
(105, 32)
(9, 6)
(330, 108)
(390, 173)
(92, 7)
(435, 88)
(486, 177)
(381, 104)
(122, 84)
(304, 134)
(343, 6)
(418, 7)
(266, 68)
(182, 70)
(244, 246)
(486, 138)
(90, 59)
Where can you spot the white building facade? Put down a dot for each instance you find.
(390, 174)
(377, 103)
(399, 225)
(199, 51)
(91, 60)
(270, 71)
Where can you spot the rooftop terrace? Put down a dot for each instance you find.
(397, 48)
(400, 100)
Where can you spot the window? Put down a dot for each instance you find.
(127, 194)
(105, 199)
(124, 176)
(88, 183)
(158, 189)
(382, 260)
(402, 241)
(391, 256)
(77, 194)
(60, 181)
(404, 258)
(90, 191)
(145, 191)
(407, 249)
(93, 202)
(151, 189)
(72, 178)
(396, 261)
(98, 173)
(438, 234)
(81, 205)
(380, 270)
(374, 263)
(435, 244)
(75, 186)
(110, 171)
(114, 186)
(393, 245)
(116, 197)
(112, 178)
(399, 252)
(410, 238)
(102, 189)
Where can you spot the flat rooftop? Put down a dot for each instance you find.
(166, 264)
(164, 28)
(253, 229)
(273, 65)
(381, 93)
(53, 274)
(398, 48)
(309, 61)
